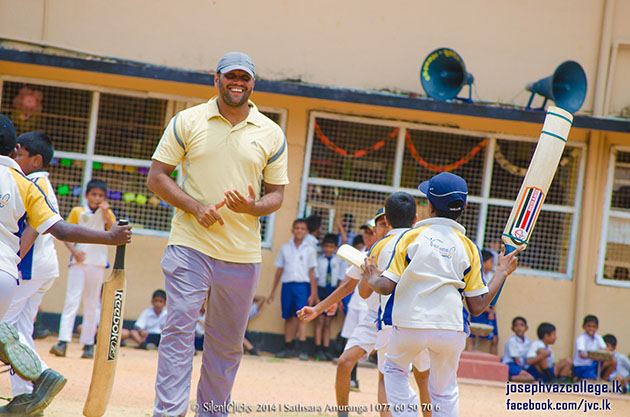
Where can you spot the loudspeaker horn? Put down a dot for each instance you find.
(443, 74)
(566, 87)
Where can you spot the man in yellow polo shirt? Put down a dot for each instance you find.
(225, 147)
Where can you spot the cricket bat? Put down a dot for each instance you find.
(542, 168)
(108, 338)
(352, 255)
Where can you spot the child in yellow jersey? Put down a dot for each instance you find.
(85, 274)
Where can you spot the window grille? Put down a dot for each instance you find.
(353, 163)
(614, 254)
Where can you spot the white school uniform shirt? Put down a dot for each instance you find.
(623, 366)
(96, 255)
(41, 261)
(515, 347)
(296, 262)
(150, 321)
(20, 199)
(532, 352)
(586, 343)
(338, 267)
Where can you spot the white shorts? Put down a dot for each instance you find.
(364, 335)
(350, 322)
(420, 362)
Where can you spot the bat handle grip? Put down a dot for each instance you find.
(119, 262)
(508, 249)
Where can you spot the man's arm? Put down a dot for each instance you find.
(160, 182)
(268, 203)
(364, 288)
(505, 266)
(314, 298)
(117, 235)
(346, 287)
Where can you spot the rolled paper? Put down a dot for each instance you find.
(129, 197)
(96, 165)
(141, 199)
(154, 201)
(115, 195)
(66, 162)
(63, 190)
(76, 191)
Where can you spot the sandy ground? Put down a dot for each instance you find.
(269, 382)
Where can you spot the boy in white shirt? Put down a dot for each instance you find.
(540, 356)
(515, 352)
(330, 271)
(583, 367)
(148, 327)
(296, 264)
(621, 371)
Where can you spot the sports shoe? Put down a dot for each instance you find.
(17, 406)
(88, 352)
(22, 359)
(59, 349)
(45, 388)
(354, 385)
(286, 354)
(303, 356)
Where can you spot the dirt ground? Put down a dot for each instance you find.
(267, 382)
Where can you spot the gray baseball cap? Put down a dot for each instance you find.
(236, 61)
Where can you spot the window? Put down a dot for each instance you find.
(614, 254)
(352, 164)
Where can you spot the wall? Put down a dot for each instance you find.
(354, 43)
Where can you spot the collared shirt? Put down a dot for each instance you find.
(296, 262)
(94, 254)
(535, 346)
(150, 321)
(433, 265)
(216, 157)
(41, 261)
(20, 199)
(515, 347)
(337, 270)
(585, 343)
(623, 366)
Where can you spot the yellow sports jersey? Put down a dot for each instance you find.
(433, 265)
(216, 157)
(94, 254)
(20, 199)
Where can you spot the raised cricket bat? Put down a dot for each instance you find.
(109, 328)
(352, 255)
(542, 168)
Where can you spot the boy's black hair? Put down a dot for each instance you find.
(159, 293)
(545, 328)
(517, 318)
(313, 222)
(8, 136)
(400, 210)
(590, 318)
(330, 238)
(486, 254)
(611, 340)
(299, 220)
(96, 184)
(37, 143)
(358, 239)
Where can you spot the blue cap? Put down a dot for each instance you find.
(379, 213)
(444, 189)
(236, 61)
